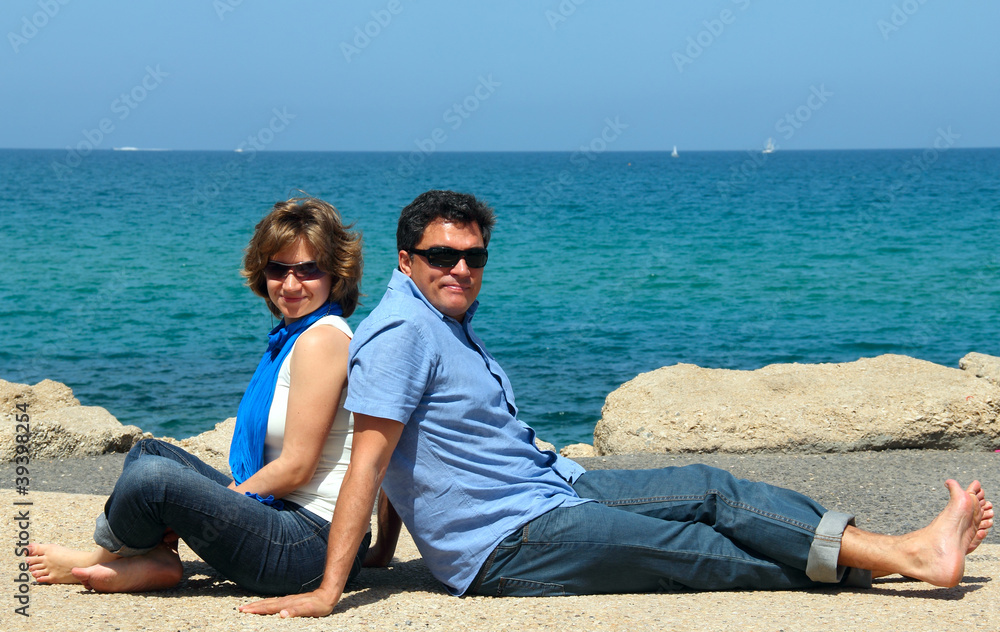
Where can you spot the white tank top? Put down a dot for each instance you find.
(319, 495)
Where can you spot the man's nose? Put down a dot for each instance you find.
(461, 268)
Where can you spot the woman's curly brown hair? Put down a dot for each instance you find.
(337, 247)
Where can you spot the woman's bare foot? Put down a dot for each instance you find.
(159, 569)
(53, 563)
(986, 520)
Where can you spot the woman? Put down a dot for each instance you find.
(292, 440)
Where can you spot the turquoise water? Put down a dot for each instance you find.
(121, 272)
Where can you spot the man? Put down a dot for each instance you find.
(437, 428)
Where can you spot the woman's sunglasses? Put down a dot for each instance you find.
(444, 257)
(303, 271)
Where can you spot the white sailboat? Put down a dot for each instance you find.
(769, 147)
(674, 153)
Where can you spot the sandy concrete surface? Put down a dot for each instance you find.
(406, 597)
(893, 492)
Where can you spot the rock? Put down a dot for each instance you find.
(578, 451)
(73, 431)
(873, 404)
(211, 446)
(544, 445)
(982, 365)
(60, 426)
(44, 396)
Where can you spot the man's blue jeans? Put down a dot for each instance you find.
(693, 527)
(258, 547)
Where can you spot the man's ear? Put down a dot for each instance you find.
(404, 263)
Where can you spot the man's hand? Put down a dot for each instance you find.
(389, 523)
(377, 557)
(312, 604)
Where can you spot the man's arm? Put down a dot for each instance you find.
(374, 440)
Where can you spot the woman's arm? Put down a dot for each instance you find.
(318, 376)
(389, 524)
(374, 441)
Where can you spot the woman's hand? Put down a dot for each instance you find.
(170, 538)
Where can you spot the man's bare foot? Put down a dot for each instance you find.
(53, 563)
(986, 520)
(936, 553)
(159, 569)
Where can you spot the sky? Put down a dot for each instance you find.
(492, 75)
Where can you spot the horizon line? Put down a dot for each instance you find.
(489, 151)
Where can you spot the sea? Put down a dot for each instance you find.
(121, 268)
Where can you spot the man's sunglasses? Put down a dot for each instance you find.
(303, 271)
(444, 257)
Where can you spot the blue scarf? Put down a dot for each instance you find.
(246, 453)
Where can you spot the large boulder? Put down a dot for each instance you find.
(873, 404)
(42, 397)
(59, 426)
(982, 365)
(77, 431)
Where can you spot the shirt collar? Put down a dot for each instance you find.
(404, 284)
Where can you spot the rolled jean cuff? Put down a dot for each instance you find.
(825, 550)
(106, 539)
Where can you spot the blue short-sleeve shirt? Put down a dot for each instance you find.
(465, 473)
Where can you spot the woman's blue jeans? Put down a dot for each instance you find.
(693, 527)
(260, 548)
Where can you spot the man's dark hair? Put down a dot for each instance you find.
(460, 208)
